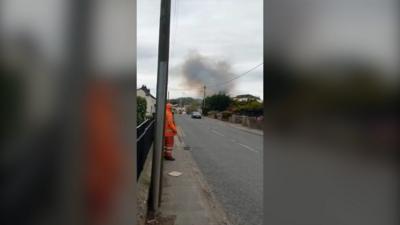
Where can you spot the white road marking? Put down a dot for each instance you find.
(249, 148)
(214, 131)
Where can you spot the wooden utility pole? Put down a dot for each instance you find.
(162, 84)
(204, 99)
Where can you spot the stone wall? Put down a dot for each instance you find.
(246, 121)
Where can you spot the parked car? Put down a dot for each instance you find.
(196, 115)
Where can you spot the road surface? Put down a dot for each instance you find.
(231, 161)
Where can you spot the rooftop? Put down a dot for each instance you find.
(146, 91)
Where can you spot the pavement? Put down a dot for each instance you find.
(231, 160)
(187, 199)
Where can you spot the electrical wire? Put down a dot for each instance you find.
(237, 77)
(224, 83)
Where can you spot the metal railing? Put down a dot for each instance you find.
(145, 138)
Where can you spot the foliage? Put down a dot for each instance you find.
(141, 109)
(217, 102)
(249, 108)
(226, 115)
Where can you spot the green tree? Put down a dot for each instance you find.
(249, 108)
(217, 102)
(141, 109)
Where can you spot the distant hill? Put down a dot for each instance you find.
(185, 100)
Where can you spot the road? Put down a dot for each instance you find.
(231, 161)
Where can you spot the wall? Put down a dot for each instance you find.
(151, 102)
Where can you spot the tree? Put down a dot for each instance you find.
(250, 108)
(141, 109)
(217, 102)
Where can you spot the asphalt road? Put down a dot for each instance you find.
(231, 161)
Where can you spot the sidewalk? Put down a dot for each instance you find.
(187, 199)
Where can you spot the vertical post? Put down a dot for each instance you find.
(204, 99)
(162, 84)
(69, 106)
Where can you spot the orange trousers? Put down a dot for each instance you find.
(169, 145)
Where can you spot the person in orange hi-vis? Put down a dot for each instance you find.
(104, 149)
(169, 132)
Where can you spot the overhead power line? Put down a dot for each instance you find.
(237, 77)
(215, 85)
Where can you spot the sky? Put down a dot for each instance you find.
(45, 22)
(319, 29)
(231, 32)
(228, 32)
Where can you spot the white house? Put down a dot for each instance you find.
(246, 98)
(150, 99)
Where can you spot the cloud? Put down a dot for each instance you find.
(230, 31)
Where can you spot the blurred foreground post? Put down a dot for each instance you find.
(76, 76)
(162, 83)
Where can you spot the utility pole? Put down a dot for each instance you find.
(204, 99)
(162, 84)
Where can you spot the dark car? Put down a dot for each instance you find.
(196, 115)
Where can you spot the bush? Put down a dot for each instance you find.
(252, 108)
(141, 109)
(212, 114)
(226, 115)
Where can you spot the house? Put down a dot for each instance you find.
(179, 109)
(150, 99)
(246, 98)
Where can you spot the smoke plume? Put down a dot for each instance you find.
(198, 70)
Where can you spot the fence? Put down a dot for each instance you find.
(145, 137)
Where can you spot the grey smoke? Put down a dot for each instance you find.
(198, 70)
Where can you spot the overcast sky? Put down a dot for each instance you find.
(230, 31)
(366, 30)
(220, 30)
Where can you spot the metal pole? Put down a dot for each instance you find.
(162, 83)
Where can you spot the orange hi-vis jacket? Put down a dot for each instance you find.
(170, 128)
